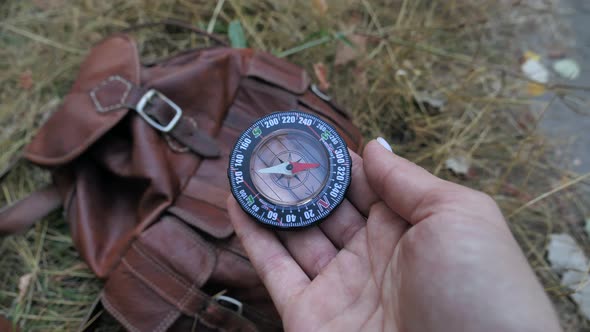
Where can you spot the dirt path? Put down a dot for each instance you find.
(570, 129)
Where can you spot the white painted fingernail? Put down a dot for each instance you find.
(384, 143)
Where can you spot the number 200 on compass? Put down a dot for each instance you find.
(289, 170)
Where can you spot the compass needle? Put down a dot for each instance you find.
(285, 176)
(278, 169)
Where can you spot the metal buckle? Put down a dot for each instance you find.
(319, 93)
(146, 99)
(237, 305)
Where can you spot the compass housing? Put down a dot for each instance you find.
(289, 170)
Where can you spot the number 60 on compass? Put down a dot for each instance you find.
(289, 170)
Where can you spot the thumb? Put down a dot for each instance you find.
(401, 184)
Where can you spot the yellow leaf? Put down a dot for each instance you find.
(535, 89)
(530, 55)
(320, 6)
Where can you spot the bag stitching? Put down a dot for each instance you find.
(197, 240)
(187, 217)
(182, 302)
(167, 320)
(160, 266)
(179, 304)
(177, 147)
(118, 314)
(107, 108)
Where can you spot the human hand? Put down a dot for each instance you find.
(406, 251)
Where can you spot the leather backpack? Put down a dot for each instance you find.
(138, 156)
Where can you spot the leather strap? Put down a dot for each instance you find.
(188, 299)
(117, 93)
(21, 215)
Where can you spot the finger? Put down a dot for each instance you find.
(311, 249)
(360, 193)
(343, 224)
(272, 261)
(402, 184)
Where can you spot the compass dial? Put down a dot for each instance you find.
(289, 170)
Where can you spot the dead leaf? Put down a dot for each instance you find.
(345, 53)
(26, 80)
(535, 89)
(433, 104)
(320, 6)
(566, 257)
(564, 254)
(321, 73)
(567, 68)
(459, 165)
(536, 72)
(23, 285)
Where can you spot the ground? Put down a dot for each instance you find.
(439, 79)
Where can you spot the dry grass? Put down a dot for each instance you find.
(458, 50)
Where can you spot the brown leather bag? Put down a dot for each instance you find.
(138, 156)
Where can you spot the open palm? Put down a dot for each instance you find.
(405, 252)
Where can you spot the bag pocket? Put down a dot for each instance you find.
(158, 281)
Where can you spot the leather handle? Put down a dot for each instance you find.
(178, 24)
(21, 215)
(25, 213)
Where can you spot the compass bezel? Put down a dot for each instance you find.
(317, 208)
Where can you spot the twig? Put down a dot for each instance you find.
(305, 46)
(40, 39)
(216, 12)
(549, 193)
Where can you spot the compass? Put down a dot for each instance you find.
(289, 170)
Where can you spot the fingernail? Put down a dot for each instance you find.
(384, 143)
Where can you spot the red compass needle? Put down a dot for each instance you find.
(300, 167)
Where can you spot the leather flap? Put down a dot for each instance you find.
(77, 124)
(179, 250)
(203, 216)
(279, 72)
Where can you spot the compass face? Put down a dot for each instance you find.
(289, 170)
(296, 152)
